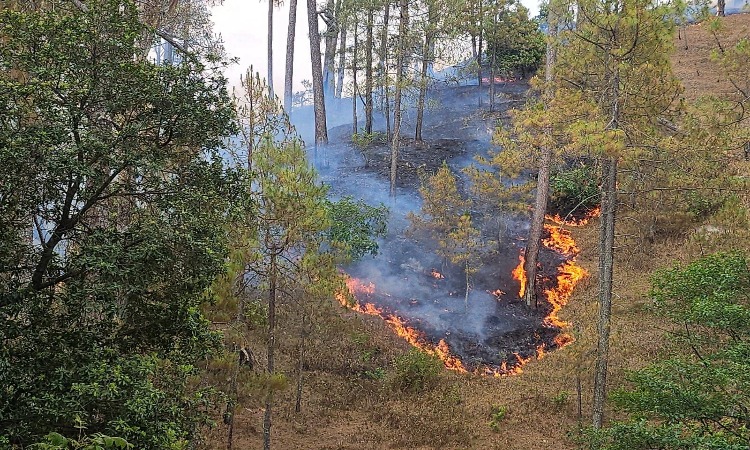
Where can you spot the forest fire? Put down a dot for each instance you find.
(519, 274)
(569, 274)
(573, 221)
(560, 240)
(364, 297)
(411, 335)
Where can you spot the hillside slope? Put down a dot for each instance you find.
(348, 402)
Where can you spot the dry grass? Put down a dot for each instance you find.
(344, 408)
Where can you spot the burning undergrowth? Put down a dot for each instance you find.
(493, 334)
(421, 295)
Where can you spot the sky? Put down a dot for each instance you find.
(242, 25)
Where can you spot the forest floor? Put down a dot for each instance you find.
(348, 401)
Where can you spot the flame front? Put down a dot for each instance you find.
(519, 273)
(575, 222)
(411, 335)
(560, 240)
(569, 274)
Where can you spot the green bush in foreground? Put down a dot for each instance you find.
(697, 399)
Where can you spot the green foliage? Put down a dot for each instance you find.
(56, 441)
(561, 398)
(415, 371)
(697, 399)
(446, 215)
(701, 206)
(377, 374)
(574, 190)
(515, 41)
(363, 140)
(497, 414)
(355, 226)
(104, 155)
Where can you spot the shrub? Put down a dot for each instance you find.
(574, 190)
(415, 371)
(497, 414)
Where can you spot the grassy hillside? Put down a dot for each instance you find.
(349, 397)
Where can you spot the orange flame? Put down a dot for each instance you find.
(575, 222)
(569, 274)
(437, 275)
(560, 240)
(411, 335)
(520, 274)
(540, 351)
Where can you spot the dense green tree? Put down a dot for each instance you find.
(111, 227)
(515, 44)
(696, 398)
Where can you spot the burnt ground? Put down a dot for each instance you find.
(489, 328)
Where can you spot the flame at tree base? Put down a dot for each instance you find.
(569, 274)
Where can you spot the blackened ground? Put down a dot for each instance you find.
(490, 328)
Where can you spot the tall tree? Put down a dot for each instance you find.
(369, 43)
(545, 162)
(319, 105)
(400, 61)
(269, 38)
(342, 57)
(384, 66)
(92, 325)
(617, 58)
(330, 15)
(289, 70)
(427, 56)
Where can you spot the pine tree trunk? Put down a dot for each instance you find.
(545, 161)
(466, 297)
(395, 143)
(342, 64)
(426, 58)
(355, 119)
(606, 254)
(368, 70)
(300, 365)
(479, 51)
(331, 37)
(606, 266)
(384, 64)
(273, 274)
(288, 73)
(319, 106)
(270, 47)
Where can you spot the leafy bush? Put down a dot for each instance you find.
(355, 226)
(698, 397)
(573, 190)
(56, 441)
(701, 206)
(497, 414)
(561, 398)
(364, 140)
(415, 371)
